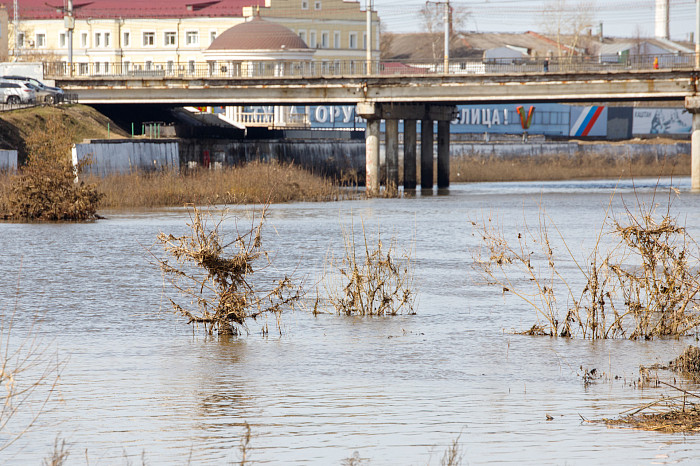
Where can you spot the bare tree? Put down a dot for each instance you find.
(567, 20)
(432, 17)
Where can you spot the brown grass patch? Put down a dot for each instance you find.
(562, 167)
(252, 183)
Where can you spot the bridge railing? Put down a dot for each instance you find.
(349, 68)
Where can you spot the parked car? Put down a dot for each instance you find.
(48, 94)
(16, 92)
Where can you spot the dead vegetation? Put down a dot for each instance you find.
(477, 168)
(645, 286)
(679, 412)
(48, 187)
(29, 375)
(251, 183)
(218, 274)
(371, 280)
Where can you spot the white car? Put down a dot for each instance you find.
(16, 92)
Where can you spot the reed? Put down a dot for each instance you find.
(252, 183)
(476, 168)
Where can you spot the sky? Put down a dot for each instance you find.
(620, 18)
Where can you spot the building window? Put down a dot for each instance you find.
(149, 39)
(364, 40)
(304, 4)
(84, 39)
(98, 39)
(325, 40)
(352, 43)
(191, 66)
(171, 66)
(83, 68)
(317, 5)
(170, 38)
(212, 36)
(107, 39)
(126, 39)
(40, 40)
(127, 66)
(312, 39)
(62, 39)
(97, 67)
(336, 40)
(149, 65)
(302, 36)
(20, 40)
(192, 37)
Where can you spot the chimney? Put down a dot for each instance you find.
(662, 15)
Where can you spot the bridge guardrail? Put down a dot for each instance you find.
(348, 68)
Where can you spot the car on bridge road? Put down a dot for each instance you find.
(14, 93)
(44, 93)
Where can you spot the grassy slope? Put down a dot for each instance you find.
(16, 125)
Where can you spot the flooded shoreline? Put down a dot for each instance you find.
(397, 389)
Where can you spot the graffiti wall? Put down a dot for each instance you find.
(575, 121)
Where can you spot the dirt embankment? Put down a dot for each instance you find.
(88, 123)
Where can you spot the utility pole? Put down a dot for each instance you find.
(69, 21)
(697, 33)
(368, 7)
(15, 19)
(446, 65)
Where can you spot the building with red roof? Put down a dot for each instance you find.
(171, 36)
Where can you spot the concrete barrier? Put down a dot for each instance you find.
(8, 160)
(124, 156)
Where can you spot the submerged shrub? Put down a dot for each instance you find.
(645, 286)
(48, 187)
(221, 283)
(374, 281)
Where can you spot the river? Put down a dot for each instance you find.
(139, 385)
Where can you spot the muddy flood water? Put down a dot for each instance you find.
(139, 386)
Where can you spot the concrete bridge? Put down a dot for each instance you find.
(425, 97)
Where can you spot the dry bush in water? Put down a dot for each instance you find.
(371, 281)
(217, 274)
(645, 286)
(47, 188)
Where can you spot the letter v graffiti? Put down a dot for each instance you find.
(525, 120)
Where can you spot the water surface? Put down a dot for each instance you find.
(138, 381)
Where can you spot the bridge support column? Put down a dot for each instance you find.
(426, 154)
(409, 155)
(443, 162)
(372, 157)
(391, 128)
(692, 104)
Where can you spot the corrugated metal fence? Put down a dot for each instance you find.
(8, 160)
(120, 156)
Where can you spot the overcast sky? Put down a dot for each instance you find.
(620, 18)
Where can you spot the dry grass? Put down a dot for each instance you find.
(252, 183)
(369, 280)
(646, 286)
(216, 272)
(563, 167)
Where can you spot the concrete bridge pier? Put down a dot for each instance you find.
(692, 104)
(410, 113)
(426, 154)
(372, 156)
(443, 161)
(391, 130)
(409, 155)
